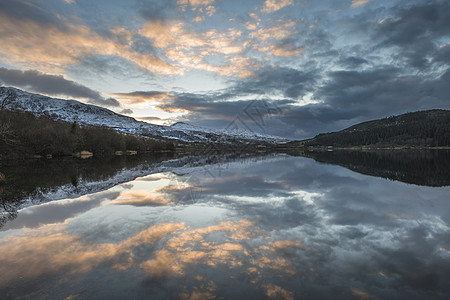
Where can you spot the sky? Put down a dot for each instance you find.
(287, 68)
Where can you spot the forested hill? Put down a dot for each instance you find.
(429, 128)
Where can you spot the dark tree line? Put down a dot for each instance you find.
(25, 134)
(425, 128)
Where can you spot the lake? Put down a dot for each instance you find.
(326, 226)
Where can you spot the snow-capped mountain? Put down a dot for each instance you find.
(75, 111)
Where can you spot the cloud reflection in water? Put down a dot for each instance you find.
(282, 228)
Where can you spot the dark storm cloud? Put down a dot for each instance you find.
(149, 118)
(404, 263)
(105, 102)
(443, 54)
(206, 107)
(414, 24)
(52, 85)
(353, 62)
(382, 91)
(291, 83)
(126, 111)
(415, 30)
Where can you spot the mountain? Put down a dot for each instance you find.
(429, 128)
(86, 114)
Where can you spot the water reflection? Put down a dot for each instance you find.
(422, 167)
(280, 228)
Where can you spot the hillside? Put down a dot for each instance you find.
(85, 114)
(429, 128)
(23, 134)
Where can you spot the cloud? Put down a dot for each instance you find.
(297, 104)
(443, 54)
(356, 3)
(195, 2)
(148, 118)
(200, 6)
(350, 66)
(24, 11)
(189, 50)
(287, 82)
(105, 102)
(153, 10)
(55, 85)
(144, 96)
(353, 62)
(277, 40)
(126, 111)
(282, 49)
(38, 39)
(414, 32)
(274, 5)
(64, 250)
(33, 37)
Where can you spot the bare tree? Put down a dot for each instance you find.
(7, 96)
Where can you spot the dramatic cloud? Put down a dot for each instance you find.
(324, 65)
(52, 85)
(189, 50)
(414, 31)
(36, 38)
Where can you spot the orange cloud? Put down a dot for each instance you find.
(144, 97)
(363, 295)
(268, 40)
(188, 50)
(279, 32)
(195, 4)
(274, 5)
(274, 291)
(142, 199)
(52, 48)
(51, 249)
(357, 3)
(277, 50)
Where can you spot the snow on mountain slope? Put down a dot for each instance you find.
(75, 111)
(233, 132)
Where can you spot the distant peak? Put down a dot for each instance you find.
(179, 124)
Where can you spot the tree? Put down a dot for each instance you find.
(6, 132)
(8, 96)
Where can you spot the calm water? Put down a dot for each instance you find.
(277, 228)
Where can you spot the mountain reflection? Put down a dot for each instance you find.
(422, 167)
(280, 228)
